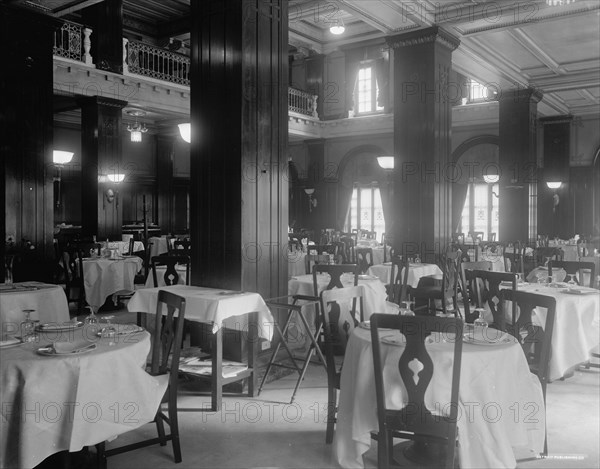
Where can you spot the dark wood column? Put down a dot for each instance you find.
(101, 126)
(239, 192)
(422, 213)
(315, 71)
(106, 20)
(164, 181)
(553, 218)
(518, 164)
(317, 216)
(26, 130)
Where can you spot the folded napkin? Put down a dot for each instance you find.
(73, 347)
(9, 341)
(57, 326)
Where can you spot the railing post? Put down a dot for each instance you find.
(87, 44)
(315, 114)
(125, 65)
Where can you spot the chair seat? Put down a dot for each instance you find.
(427, 291)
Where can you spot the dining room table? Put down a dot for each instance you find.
(69, 389)
(48, 301)
(374, 299)
(102, 277)
(576, 325)
(122, 247)
(501, 408)
(415, 272)
(296, 259)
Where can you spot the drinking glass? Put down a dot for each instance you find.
(91, 320)
(28, 327)
(571, 282)
(549, 280)
(480, 321)
(109, 332)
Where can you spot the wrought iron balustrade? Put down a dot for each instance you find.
(72, 41)
(154, 62)
(302, 102)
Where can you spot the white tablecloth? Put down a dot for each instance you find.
(374, 299)
(576, 327)
(415, 272)
(123, 246)
(500, 401)
(570, 250)
(296, 263)
(159, 246)
(49, 302)
(212, 306)
(103, 277)
(57, 403)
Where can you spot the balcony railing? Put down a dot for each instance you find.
(72, 41)
(302, 102)
(154, 62)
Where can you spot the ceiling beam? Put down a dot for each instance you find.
(378, 24)
(72, 7)
(529, 44)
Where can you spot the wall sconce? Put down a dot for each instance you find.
(111, 195)
(386, 162)
(491, 178)
(312, 202)
(185, 130)
(554, 184)
(136, 130)
(116, 177)
(60, 158)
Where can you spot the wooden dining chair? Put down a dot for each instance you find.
(182, 246)
(364, 259)
(398, 290)
(342, 310)
(467, 285)
(536, 341)
(513, 258)
(545, 254)
(349, 249)
(171, 275)
(415, 421)
(311, 260)
(487, 291)
(431, 289)
(575, 269)
(72, 264)
(335, 273)
(166, 343)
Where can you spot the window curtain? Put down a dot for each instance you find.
(459, 196)
(386, 201)
(382, 76)
(344, 196)
(353, 59)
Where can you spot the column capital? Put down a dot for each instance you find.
(424, 36)
(85, 101)
(563, 119)
(531, 95)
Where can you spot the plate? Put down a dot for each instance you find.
(49, 351)
(502, 340)
(580, 291)
(124, 329)
(365, 325)
(12, 342)
(57, 327)
(229, 293)
(366, 277)
(393, 339)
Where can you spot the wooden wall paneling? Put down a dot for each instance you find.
(106, 21)
(315, 77)
(181, 191)
(165, 148)
(26, 126)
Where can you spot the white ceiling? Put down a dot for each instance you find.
(509, 43)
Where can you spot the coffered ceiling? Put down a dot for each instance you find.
(504, 43)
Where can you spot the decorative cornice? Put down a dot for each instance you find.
(101, 101)
(424, 36)
(556, 120)
(518, 94)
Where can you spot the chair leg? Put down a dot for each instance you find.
(100, 455)
(382, 451)
(174, 427)
(160, 429)
(331, 414)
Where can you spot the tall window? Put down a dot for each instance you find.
(366, 210)
(365, 95)
(479, 93)
(480, 212)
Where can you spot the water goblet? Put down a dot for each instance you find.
(109, 332)
(571, 282)
(480, 321)
(91, 320)
(28, 327)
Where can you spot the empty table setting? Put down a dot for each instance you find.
(69, 388)
(48, 301)
(496, 416)
(103, 276)
(415, 272)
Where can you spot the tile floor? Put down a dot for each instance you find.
(269, 432)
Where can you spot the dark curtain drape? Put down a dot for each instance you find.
(459, 195)
(386, 201)
(344, 196)
(353, 58)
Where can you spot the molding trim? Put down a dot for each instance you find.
(424, 36)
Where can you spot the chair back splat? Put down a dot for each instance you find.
(171, 275)
(415, 421)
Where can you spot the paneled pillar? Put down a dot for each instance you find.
(421, 215)
(518, 164)
(317, 216)
(315, 72)
(26, 131)
(101, 128)
(555, 214)
(164, 181)
(106, 20)
(239, 189)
